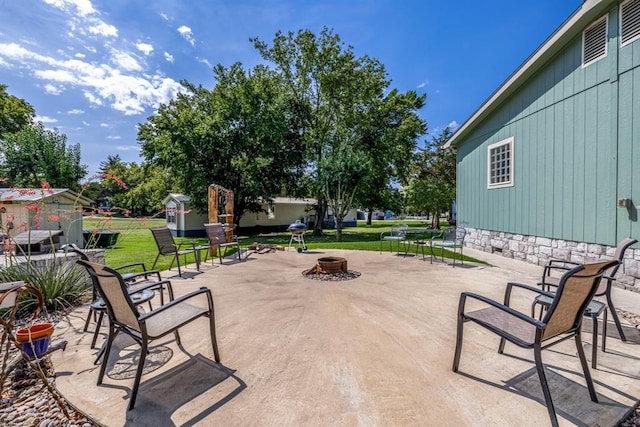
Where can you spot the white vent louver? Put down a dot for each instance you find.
(629, 21)
(594, 42)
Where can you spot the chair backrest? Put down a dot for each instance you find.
(9, 293)
(619, 255)
(216, 233)
(399, 230)
(454, 234)
(164, 240)
(113, 290)
(575, 290)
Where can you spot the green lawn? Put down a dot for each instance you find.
(136, 244)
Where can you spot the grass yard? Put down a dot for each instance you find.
(136, 244)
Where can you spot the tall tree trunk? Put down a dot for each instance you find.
(339, 228)
(435, 221)
(369, 216)
(320, 214)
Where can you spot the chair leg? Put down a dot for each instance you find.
(177, 260)
(585, 368)
(97, 331)
(537, 352)
(136, 383)
(86, 322)
(153, 267)
(107, 350)
(501, 345)
(594, 341)
(604, 330)
(214, 340)
(458, 351)
(616, 320)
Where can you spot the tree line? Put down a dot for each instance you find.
(314, 120)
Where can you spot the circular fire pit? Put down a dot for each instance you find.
(330, 269)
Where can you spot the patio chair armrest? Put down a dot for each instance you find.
(499, 306)
(192, 244)
(141, 286)
(133, 264)
(511, 285)
(179, 300)
(437, 236)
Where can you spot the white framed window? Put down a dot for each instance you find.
(500, 164)
(629, 21)
(594, 41)
(171, 215)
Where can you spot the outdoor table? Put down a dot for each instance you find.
(427, 233)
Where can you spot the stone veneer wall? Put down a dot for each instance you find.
(538, 250)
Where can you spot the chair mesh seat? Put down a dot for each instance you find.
(511, 325)
(172, 318)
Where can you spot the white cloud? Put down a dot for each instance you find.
(86, 123)
(81, 7)
(128, 148)
(164, 16)
(453, 125)
(46, 119)
(113, 137)
(421, 85)
(80, 55)
(75, 111)
(125, 61)
(53, 90)
(205, 61)
(104, 125)
(167, 56)
(102, 29)
(187, 34)
(92, 98)
(145, 48)
(123, 84)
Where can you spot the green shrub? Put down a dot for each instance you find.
(62, 284)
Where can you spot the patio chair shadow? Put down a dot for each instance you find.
(185, 275)
(173, 392)
(570, 398)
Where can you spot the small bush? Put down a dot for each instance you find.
(62, 284)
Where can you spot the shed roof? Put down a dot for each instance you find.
(176, 197)
(571, 27)
(37, 194)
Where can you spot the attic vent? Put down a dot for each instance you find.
(594, 42)
(629, 21)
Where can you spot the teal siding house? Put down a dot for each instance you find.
(549, 165)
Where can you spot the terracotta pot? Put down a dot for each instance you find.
(34, 332)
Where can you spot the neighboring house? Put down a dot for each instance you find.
(546, 167)
(283, 211)
(56, 209)
(182, 219)
(277, 216)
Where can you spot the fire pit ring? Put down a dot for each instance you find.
(330, 269)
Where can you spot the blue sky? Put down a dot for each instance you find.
(95, 69)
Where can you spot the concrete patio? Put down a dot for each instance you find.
(373, 351)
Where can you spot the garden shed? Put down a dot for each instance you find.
(23, 210)
(182, 219)
(546, 167)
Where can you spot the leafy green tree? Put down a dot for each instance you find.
(15, 113)
(339, 98)
(433, 188)
(35, 154)
(240, 135)
(339, 174)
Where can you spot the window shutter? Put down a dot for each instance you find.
(594, 42)
(629, 21)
